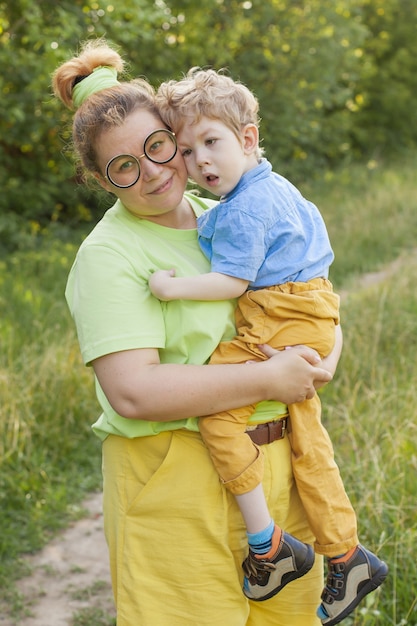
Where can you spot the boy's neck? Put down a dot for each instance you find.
(252, 162)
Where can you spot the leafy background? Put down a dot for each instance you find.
(336, 81)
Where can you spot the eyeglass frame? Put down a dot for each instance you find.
(132, 156)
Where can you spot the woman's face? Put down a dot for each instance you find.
(160, 187)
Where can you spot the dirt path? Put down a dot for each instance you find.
(70, 576)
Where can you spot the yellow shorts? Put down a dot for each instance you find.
(177, 540)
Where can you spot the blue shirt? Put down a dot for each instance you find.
(265, 232)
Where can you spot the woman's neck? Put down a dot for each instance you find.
(181, 218)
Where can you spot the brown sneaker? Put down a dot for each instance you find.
(348, 581)
(267, 574)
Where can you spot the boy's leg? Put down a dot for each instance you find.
(328, 508)
(275, 557)
(297, 603)
(238, 461)
(287, 315)
(353, 571)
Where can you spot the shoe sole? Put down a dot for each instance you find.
(375, 582)
(306, 567)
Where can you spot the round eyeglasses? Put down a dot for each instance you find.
(123, 170)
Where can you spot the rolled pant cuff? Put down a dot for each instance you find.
(335, 549)
(250, 478)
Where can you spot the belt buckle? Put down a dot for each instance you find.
(275, 424)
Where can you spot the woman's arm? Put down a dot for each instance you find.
(138, 386)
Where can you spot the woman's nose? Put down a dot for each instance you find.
(149, 169)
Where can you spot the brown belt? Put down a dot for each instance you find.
(269, 432)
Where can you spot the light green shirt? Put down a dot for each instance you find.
(109, 297)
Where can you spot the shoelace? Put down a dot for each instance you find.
(254, 567)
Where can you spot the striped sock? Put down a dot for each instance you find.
(261, 542)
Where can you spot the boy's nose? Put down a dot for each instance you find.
(202, 158)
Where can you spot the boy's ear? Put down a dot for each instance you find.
(250, 135)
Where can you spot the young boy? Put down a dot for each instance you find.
(268, 246)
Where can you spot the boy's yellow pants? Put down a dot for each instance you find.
(286, 315)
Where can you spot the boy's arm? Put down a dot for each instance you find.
(211, 286)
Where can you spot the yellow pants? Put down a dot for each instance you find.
(285, 315)
(177, 540)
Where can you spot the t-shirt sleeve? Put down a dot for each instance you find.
(111, 304)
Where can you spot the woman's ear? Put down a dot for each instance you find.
(103, 182)
(250, 135)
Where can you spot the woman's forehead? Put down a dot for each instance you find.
(139, 123)
(131, 134)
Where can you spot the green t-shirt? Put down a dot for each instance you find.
(109, 297)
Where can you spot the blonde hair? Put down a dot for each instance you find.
(103, 109)
(207, 93)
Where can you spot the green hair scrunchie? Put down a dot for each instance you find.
(102, 77)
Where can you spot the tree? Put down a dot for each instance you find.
(302, 60)
(387, 120)
(36, 171)
(334, 78)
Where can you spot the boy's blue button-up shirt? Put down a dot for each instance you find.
(265, 232)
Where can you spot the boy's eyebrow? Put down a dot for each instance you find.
(182, 145)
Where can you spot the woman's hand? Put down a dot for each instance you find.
(302, 373)
(323, 369)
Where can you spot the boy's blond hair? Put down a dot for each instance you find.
(207, 93)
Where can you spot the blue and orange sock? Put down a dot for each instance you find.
(261, 542)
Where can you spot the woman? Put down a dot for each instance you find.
(176, 539)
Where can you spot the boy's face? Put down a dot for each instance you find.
(214, 156)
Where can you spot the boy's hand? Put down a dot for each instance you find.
(160, 282)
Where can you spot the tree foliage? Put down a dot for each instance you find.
(387, 119)
(335, 80)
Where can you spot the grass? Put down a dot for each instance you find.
(92, 617)
(370, 411)
(370, 213)
(49, 459)
(88, 592)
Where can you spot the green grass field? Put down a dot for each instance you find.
(49, 459)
